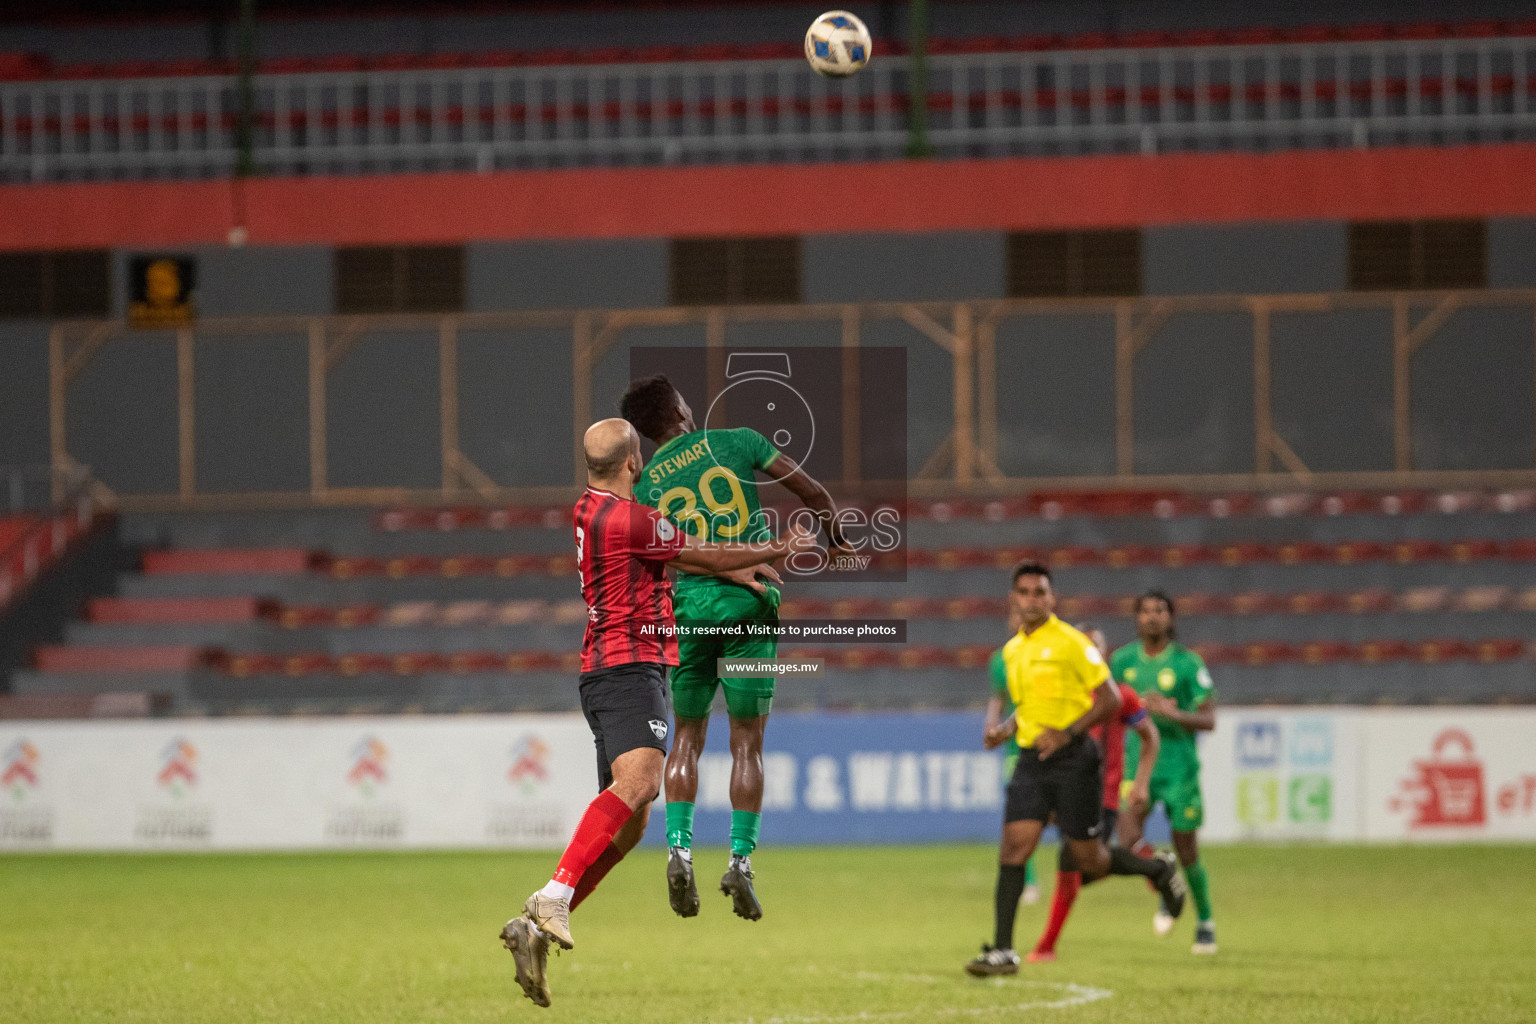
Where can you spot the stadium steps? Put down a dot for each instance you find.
(1333, 598)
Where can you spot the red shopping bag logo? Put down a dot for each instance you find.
(1447, 789)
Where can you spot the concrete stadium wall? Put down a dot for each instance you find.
(1332, 384)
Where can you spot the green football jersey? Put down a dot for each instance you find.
(1179, 674)
(704, 482)
(998, 670)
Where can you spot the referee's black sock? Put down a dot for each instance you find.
(1124, 862)
(1010, 886)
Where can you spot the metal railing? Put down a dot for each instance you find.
(54, 505)
(1248, 97)
(968, 459)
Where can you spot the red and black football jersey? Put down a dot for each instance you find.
(622, 550)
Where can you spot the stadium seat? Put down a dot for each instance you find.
(121, 659)
(229, 561)
(173, 610)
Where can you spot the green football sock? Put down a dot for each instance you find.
(680, 824)
(1029, 871)
(1200, 889)
(745, 825)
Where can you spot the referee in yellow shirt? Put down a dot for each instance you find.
(1061, 689)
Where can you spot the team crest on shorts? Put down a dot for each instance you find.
(659, 728)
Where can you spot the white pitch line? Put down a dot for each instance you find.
(1071, 995)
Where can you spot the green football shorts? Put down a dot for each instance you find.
(1180, 794)
(695, 678)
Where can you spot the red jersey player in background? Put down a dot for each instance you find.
(1111, 739)
(622, 551)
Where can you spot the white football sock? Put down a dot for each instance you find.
(558, 890)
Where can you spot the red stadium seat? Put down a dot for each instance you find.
(1355, 551)
(1256, 602)
(173, 610)
(1370, 601)
(172, 658)
(1219, 654)
(1200, 603)
(1408, 552)
(1523, 550)
(1424, 599)
(1499, 650)
(1268, 652)
(228, 561)
(972, 657)
(1132, 555)
(1313, 602)
(1303, 551)
(311, 664)
(1386, 650)
(1074, 555)
(1180, 555)
(1327, 652)
(1482, 599)
(1246, 554)
(1432, 652)
(1474, 550)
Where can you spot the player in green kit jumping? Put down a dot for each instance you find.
(1176, 687)
(705, 481)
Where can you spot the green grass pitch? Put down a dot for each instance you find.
(1434, 934)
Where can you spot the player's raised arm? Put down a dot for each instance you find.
(812, 494)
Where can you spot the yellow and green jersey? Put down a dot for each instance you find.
(704, 482)
(1179, 674)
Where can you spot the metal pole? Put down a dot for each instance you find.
(245, 118)
(917, 93)
(1263, 410)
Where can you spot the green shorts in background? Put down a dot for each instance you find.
(1180, 794)
(695, 678)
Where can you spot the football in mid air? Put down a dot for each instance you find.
(837, 44)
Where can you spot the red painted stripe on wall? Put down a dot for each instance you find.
(1076, 192)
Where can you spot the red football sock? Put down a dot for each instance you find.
(1067, 884)
(601, 822)
(610, 856)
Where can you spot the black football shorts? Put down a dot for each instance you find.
(626, 708)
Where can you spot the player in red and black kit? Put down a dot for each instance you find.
(622, 550)
(1111, 740)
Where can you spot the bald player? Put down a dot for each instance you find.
(622, 550)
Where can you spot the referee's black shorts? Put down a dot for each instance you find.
(1069, 784)
(626, 708)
